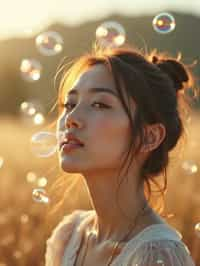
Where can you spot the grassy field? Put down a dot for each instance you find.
(25, 225)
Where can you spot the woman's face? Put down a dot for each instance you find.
(98, 120)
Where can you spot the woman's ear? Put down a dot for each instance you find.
(154, 134)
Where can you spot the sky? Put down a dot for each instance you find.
(21, 18)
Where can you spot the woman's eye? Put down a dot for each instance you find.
(68, 106)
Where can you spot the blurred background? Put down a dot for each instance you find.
(35, 38)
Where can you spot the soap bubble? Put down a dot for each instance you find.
(31, 112)
(164, 23)
(40, 195)
(110, 34)
(30, 69)
(49, 43)
(31, 177)
(38, 119)
(190, 167)
(42, 182)
(1, 161)
(197, 229)
(44, 144)
(27, 108)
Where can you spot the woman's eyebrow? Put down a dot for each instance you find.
(94, 90)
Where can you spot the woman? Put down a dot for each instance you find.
(120, 118)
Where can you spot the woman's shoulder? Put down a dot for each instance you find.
(160, 244)
(161, 252)
(60, 236)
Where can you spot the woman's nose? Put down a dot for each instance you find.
(72, 120)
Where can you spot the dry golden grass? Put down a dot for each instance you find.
(25, 225)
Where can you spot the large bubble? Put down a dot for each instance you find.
(110, 33)
(49, 43)
(44, 144)
(164, 23)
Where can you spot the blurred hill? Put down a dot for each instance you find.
(79, 39)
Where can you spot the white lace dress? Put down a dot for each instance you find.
(156, 245)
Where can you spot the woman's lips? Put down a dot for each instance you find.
(67, 147)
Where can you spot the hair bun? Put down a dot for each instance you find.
(174, 69)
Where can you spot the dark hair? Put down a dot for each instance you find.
(156, 83)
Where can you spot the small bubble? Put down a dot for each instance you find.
(30, 69)
(31, 177)
(110, 34)
(44, 144)
(42, 182)
(1, 162)
(27, 108)
(197, 229)
(190, 167)
(49, 43)
(38, 119)
(164, 23)
(39, 195)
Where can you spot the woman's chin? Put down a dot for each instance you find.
(68, 167)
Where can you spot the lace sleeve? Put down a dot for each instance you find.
(162, 253)
(55, 244)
